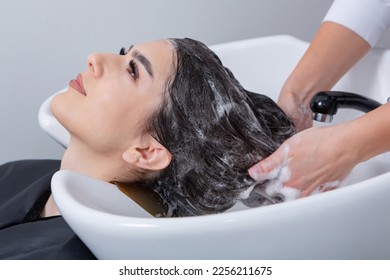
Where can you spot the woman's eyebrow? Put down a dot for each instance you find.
(144, 61)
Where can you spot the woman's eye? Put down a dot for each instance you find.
(123, 51)
(133, 69)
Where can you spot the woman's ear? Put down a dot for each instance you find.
(150, 156)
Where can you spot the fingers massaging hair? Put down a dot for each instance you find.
(214, 129)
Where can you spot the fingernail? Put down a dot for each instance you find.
(255, 173)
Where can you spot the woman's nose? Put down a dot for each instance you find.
(95, 64)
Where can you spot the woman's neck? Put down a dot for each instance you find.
(83, 160)
(50, 208)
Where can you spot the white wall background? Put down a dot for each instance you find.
(44, 44)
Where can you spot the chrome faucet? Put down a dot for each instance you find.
(325, 104)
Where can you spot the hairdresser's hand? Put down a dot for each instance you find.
(314, 158)
(299, 112)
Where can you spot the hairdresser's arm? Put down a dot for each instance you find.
(318, 155)
(333, 51)
(324, 156)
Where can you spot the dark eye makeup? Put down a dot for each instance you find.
(133, 68)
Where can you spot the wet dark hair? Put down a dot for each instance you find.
(215, 130)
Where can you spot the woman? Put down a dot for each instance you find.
(168, 116)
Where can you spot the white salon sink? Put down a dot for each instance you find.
(352, 222)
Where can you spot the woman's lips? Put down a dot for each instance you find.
(77, 84)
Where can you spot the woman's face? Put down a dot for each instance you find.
(107, 105)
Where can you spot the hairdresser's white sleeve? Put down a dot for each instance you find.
(368, 18)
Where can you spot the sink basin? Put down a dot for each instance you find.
(352, 222)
